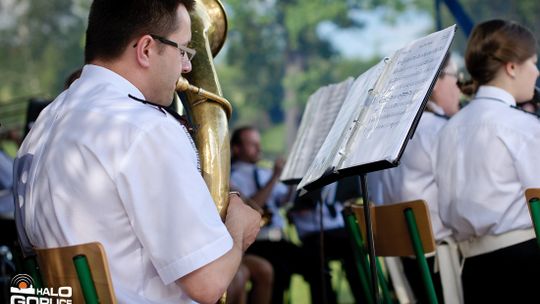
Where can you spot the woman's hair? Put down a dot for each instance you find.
(491, 45)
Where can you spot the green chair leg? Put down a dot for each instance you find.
(85, 279)
(387, 298)
(31, 267)
(534, 207)
(362, 262)
(420, 257)
(360, 255)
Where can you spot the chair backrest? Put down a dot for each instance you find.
(57, 268)
(390, 231)
(403, 229)
(533, 202)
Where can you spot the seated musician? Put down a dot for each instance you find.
(106, 163)
(488, 154)
(262, 187)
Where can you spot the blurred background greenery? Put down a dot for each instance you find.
(277, 52)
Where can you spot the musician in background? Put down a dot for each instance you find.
(414, 178)
(105, 162)
(262, 187)
(6, 184)
(487, 155)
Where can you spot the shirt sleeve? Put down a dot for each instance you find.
(526, 153)
(168, 203)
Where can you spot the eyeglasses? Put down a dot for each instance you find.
(184, 50)
(458, 76)
(450, 74)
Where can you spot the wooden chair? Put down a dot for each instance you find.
(403, 229)
(83, 267)
(533, 202)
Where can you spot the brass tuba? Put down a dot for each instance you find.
(207, 110)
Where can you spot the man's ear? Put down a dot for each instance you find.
(510, 69)
(143, 49)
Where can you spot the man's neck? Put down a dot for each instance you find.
(122, 67)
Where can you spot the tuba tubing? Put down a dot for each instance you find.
(206, 109)
(183, 85)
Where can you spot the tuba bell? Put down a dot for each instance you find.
(207, 110)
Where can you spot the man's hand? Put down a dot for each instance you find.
(242, 221)
(278, 167)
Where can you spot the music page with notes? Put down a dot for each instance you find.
(380, 112)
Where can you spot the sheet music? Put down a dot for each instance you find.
(335, 141)
(321, 110)
(397, 100)
(295, 164)
(381, 108)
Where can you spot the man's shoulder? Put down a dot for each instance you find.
(111, 106)
(240, 167)
(102, 91)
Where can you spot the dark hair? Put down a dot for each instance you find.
(112, 24)
(236, 137)
(72, 77)
(491, 45)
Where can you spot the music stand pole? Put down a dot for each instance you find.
(316, 196)
(370, 242)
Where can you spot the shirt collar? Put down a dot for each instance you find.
(99, 74)
(435, 108)
(491, 92)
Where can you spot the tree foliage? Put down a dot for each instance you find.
(275, 56)
(274, 48)
(279, 57)
(41, 43)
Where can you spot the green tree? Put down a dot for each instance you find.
(41, 43)
(278, 58)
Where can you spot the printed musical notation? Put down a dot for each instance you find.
(320, 114)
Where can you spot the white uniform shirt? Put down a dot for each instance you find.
(488, 154)
(243, 180)
(414, 178)
(99, 166)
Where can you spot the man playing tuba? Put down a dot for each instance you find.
(105, 162)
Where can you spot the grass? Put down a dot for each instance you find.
(299, 290)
